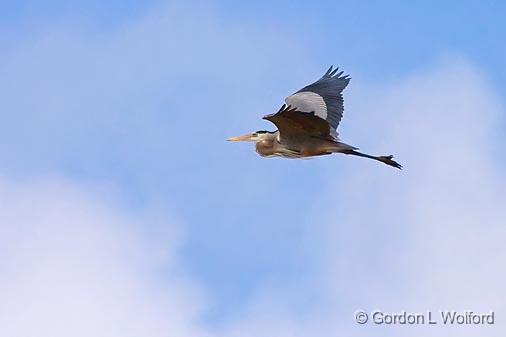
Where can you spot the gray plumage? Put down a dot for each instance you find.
(329, 92)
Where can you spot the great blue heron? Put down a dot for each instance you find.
(307, 123)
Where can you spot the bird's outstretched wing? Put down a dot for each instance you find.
(323, 98)
(292, 123)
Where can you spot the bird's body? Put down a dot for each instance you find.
(270, 145)
(307, 124)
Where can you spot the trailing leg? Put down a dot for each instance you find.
(384, 159)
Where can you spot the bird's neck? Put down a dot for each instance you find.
(265, 146)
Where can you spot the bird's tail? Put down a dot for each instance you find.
(343, 146)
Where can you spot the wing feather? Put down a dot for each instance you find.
(323, 98)
(292, 123)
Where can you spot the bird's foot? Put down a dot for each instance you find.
(389, 161)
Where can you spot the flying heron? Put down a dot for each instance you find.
(307, 123)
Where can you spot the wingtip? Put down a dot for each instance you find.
(333, 73)
(327, 73)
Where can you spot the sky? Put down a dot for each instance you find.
(124, 212)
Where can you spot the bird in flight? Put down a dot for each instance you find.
(307, 123)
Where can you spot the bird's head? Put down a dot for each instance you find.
(251, 137)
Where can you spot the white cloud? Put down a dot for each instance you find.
(73, 264)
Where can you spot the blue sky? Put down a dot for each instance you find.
(130, 103)
(385, 39)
